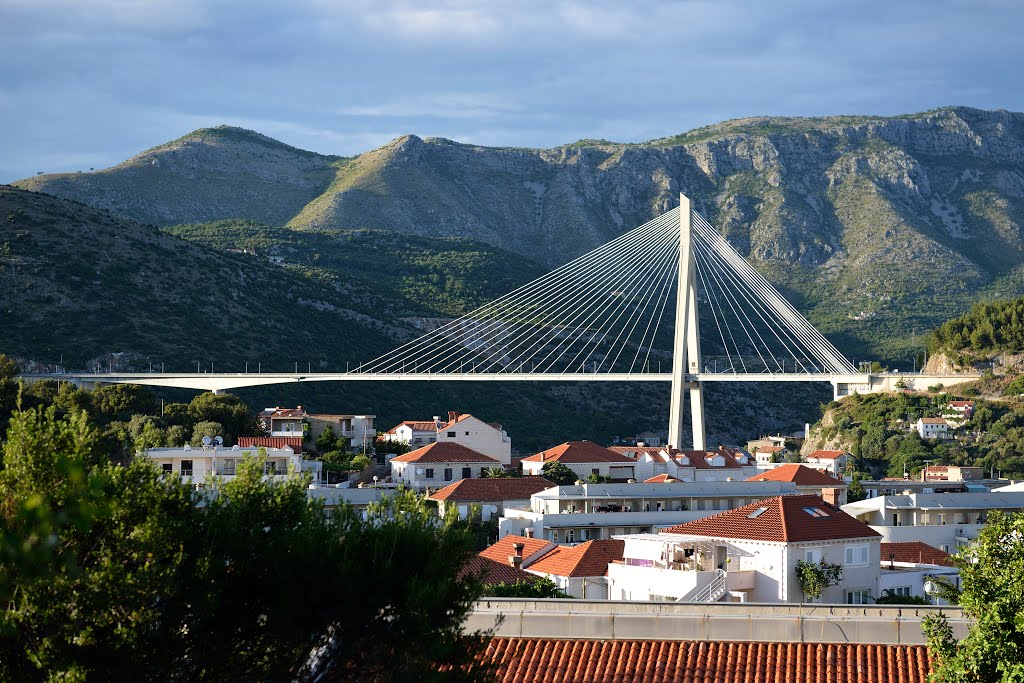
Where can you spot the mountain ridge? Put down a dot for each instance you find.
(873, 225)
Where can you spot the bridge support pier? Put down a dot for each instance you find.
(686, 347)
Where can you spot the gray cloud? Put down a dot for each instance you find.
(90, 82)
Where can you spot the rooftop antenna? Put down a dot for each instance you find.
(218, 440)
(207, 441)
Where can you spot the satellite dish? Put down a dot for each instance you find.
(207, 441)
(219, 440)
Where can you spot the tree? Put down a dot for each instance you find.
(599, 478)
(558, 473)
(229, 411)
(856, 491)
(496, 472)
(540, 589)
(327, 441)
(112, 572)
(815, 577)
(210, 429)
(992, 596)
(889, 597)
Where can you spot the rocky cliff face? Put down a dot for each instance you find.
(873, 226)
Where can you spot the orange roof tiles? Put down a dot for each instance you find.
(532, 549)
(915, 552)
(661, 479)
(415, 425)
(826, 455)
(587, 559)
(444, 451)
(700, 459)
(492, 571)
(578, 452)
(799, 475)
(292, 442)
(784, 519)
(515, 488)
(548, 660)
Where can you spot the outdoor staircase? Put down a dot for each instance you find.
(710, 592)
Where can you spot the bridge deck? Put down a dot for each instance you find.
(232, 380)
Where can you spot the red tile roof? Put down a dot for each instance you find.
(784, 519)
(661, 479)
(546, 660)
(292, 442)
(799, 475)
(587, 559)
(415, 425)
(533, 548)
(283, 412)
(769, 449)
(579, 452)
(515, 488)
(917, 552)
(699, 459)
(933, 421)
(444, 451)
(826, 455)
(491, 571)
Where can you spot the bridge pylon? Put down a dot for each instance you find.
(686, 347)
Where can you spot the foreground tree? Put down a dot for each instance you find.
(558, 473)
(112, 572)
(992, 594)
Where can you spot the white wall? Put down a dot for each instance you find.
(481, 437)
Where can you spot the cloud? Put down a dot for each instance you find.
(103, 79)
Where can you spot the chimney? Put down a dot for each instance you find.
(298, 408)
(516, 560)
(453, 415)
(831, 496)
(528, 532)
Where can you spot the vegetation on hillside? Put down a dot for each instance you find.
(379, 269)
(989, 327)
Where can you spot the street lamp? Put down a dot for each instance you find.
(932, 590)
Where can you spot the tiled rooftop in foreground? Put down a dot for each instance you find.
(547, 660)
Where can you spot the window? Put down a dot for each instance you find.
(467, 433)
(229, 466)
(447, 473)
(186, 468)
(451, 435)
(856, 555)
(570, 536)
(861, 596)
(467, 472)
(812, 555)
(723, 504)
(756, 513)
(901, 590)
(595, 471)
(942, 518)
(429, 473)
(167, 468)
(554, 536)
(816, 512)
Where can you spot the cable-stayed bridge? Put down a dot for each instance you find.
(669, 301)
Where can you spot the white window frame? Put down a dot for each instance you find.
(858, 555)
(812, 555)
(858, 596)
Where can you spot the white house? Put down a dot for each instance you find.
(581, 570)
(439, 464)
(943, 520)
(751, 554)
(584, 458)
(959, 412)
(833, 462)
(490, 495)
(932, 427)
(279, 421)
(585, 512)
(461, 428)
(722, 464)
(908, 566)
(765, 455)
(414, 433)
(358, 429)
(197, 464)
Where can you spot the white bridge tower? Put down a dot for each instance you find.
(686, 349)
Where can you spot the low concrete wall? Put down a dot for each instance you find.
(752, 622)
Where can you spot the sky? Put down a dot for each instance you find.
(88, 83)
